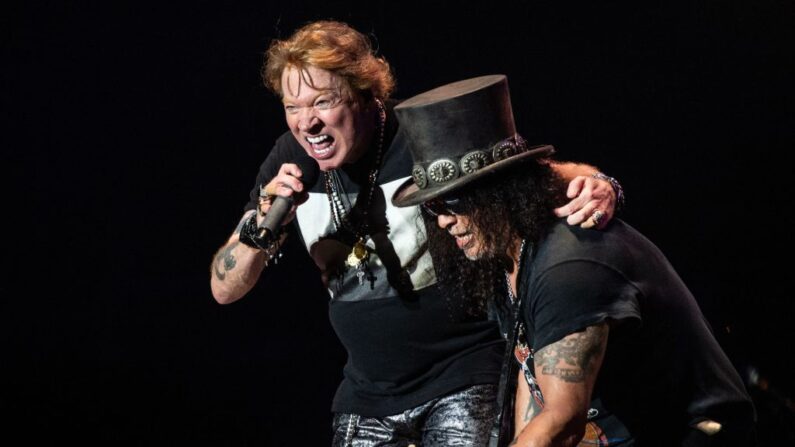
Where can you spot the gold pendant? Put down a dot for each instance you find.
(358, 254)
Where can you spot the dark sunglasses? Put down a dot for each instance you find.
(451, 206)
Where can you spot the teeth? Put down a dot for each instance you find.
(323, 151)
(464, 237)
(317, 139)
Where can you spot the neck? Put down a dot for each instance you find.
(367, 148)
(515, 254)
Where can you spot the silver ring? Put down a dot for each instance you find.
(597, 216)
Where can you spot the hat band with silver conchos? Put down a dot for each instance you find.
(444, 170)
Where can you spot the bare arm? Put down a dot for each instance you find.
(588, 195)
(566, 372)
(526, 406)
(236, 267)
(568, 171)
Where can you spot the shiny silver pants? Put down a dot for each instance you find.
(463, 418)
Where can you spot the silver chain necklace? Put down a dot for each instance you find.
(511, 296)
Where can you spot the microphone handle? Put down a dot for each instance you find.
(276, 214)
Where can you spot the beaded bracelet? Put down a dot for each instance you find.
(616, 188)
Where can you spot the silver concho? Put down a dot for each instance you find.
(442, 171)
(509, 147)
(473, 161)
(504, 150)
(419, 176)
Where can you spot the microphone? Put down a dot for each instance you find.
(281, 205)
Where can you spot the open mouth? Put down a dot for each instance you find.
(463, 240)
(322, 145)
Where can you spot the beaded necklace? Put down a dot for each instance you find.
(340, 212)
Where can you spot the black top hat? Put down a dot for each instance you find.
(458, 133)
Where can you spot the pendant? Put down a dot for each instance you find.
(358, 259)
(358, 254)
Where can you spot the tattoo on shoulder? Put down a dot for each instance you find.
(226, 258)
(570, 359)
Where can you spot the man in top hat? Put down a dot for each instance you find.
(612, 346)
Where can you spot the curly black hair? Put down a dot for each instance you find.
(516, 203)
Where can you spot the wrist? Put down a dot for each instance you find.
(617, 189)
(251, 236)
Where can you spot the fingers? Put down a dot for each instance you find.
(291, 169)
(576, 186)
(583, 215)
(592, 204)
(285, 184)
(604, 204)
(596, 219)
(575, 191)
(286, 181)
(604, 193)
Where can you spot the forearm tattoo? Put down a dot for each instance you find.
(225, 256)
(570, 359)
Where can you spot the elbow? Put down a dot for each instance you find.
(222, 298)
(573, 432)
(573, 439)
(223, 295)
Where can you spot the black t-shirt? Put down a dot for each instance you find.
(663, 369)
(406, 343)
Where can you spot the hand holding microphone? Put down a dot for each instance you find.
(296, 177)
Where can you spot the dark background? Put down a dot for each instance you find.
(134, 132)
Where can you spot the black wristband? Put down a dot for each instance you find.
(250, 235)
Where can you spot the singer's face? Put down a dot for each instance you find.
(332, 127)
(466, 235)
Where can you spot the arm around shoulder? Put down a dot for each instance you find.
(595, 197)
(568, 170)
